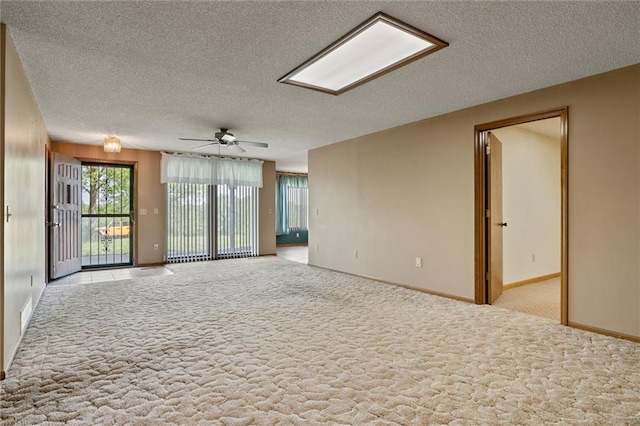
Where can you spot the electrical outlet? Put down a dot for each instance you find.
(317, 212)
(143, 212)
(533, 257)
(418, 262)
(156, 246)
(156, 211)
(297, 235)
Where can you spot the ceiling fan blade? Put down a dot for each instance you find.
(205, 145)
(260, 144)
(236, 148)
(199, 140)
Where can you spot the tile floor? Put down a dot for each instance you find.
(87, 277)
(298, 254)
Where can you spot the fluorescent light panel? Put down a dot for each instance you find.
(379, 45)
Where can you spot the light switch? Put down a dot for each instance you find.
(156, 211)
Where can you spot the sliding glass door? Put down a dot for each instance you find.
(206, 222)
(189, 227)
(237, 222)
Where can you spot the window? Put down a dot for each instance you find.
(291, 204)
(297, 211)
(192, 232)
(188, 222)
(237, 221)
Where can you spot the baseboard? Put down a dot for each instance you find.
(422, 290)
(408, 287)
(292, 245)
(604, 332)
(530, 281)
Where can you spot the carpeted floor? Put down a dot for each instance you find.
(541, 298)
(267, 341)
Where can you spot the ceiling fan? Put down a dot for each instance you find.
(225, 138)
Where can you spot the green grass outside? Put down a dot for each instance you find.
(96, 246)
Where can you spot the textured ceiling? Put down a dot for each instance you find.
(151, 72)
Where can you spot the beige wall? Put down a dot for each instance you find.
(530, 203)
(24, 151)
(408, 192)
(151, 195)
(267, 206)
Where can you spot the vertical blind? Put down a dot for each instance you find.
(207, 222)
(237, 221)
(189, 222)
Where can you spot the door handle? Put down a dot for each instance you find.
(503, 224)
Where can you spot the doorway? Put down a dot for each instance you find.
(532, 194)
(107, 215)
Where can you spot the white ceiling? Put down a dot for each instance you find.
(151, 72)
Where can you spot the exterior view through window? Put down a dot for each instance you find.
(211, 222)
(107, 209)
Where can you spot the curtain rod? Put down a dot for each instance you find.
(222, 156)
(292, 174)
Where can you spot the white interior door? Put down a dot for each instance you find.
(65, 225)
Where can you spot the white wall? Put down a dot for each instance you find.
(531, 203)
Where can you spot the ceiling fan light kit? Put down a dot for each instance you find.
(226, 139)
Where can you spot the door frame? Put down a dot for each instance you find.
(134, 165)
(480, 207)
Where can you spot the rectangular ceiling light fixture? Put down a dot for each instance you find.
(377, 46)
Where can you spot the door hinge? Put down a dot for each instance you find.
(488, 276)
(488, 148)
(487, 213)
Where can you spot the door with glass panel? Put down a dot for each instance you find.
(107, 215)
